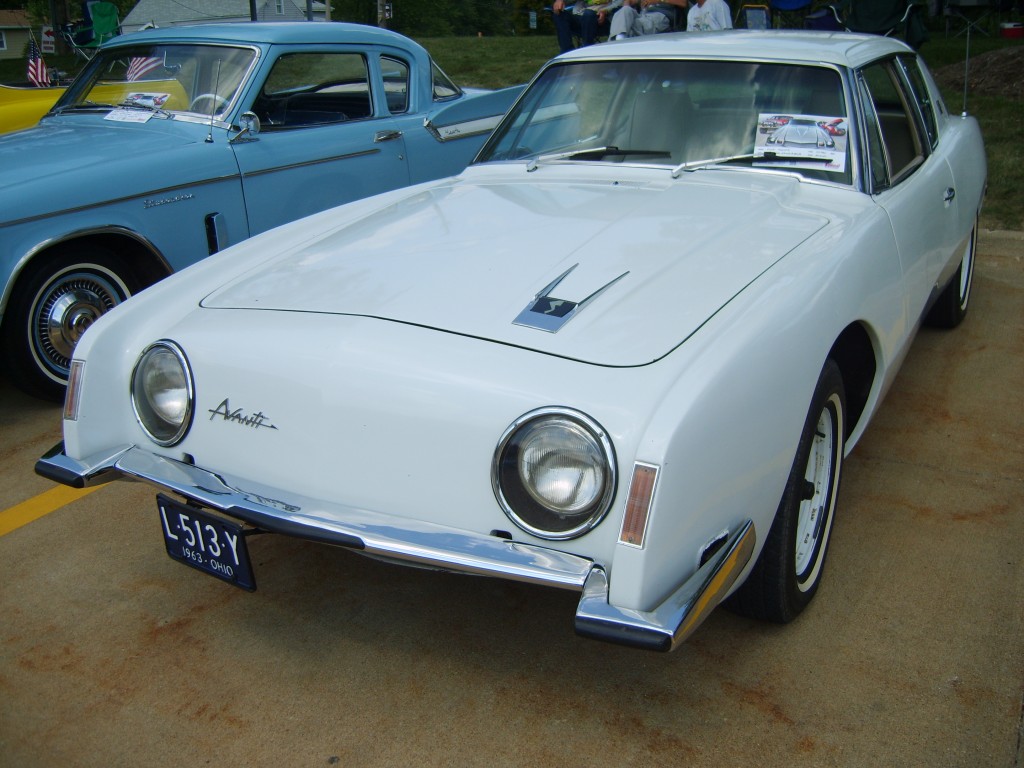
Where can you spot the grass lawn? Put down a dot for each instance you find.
(494, 62)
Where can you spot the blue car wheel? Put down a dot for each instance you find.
(54, 303)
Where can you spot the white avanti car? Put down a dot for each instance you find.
(625, 352)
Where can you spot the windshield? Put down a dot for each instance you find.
(680, 113)
(202, 79)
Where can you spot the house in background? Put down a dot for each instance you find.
(14, 29)
(173, 13)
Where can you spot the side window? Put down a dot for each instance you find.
(878, 169)
(443, 87)
(396, 84)
(922, 96)
(902, 142)
(306, 89)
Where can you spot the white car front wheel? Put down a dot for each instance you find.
(788, 571)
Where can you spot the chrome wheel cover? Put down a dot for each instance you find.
(63, 310)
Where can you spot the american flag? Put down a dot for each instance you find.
(140, 66)
(37, 74)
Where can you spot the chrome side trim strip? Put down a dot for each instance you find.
(104, 203)
(307, 163)
(668, 625)
(462, 130)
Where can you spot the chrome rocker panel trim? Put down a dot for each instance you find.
(417, 543)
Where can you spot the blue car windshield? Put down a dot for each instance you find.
(681, 113)
(201, 79)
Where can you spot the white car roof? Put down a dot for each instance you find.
(840, 48)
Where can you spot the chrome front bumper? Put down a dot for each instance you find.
(418, 543)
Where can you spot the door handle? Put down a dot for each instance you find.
(386, 136)
(950, 194)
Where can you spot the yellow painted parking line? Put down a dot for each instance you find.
(43, 504)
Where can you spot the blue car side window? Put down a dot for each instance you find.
(396, 84)
(307, 89)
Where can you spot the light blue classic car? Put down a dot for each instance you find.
(175, 143)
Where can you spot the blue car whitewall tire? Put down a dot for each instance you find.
(56, 301)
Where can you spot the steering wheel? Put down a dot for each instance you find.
(217, 101)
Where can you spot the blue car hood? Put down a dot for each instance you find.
(66, 163)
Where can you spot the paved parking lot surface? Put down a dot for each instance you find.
(912, 654)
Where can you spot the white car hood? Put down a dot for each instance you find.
(469, 255)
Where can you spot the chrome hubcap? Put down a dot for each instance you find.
(66, 311)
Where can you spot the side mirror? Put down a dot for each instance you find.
(248, 128)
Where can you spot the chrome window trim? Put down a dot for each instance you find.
(847, 77)
(244, 84)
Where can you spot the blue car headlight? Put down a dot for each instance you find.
(554, 473)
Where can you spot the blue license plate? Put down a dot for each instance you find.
(208, 543)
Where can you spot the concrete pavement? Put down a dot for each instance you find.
(911, 655)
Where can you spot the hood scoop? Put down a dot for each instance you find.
(547, 313)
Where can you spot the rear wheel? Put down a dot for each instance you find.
(788, 571)
(56, 300)
(951, 306)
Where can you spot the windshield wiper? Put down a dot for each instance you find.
(770, 157)
(534, 162)
(83, 105)
(126, 104)
(696, 165)
(574, 154)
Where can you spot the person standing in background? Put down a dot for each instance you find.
(706, 15)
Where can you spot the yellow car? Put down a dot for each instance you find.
(22, 107)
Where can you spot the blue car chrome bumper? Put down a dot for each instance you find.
(425, 544)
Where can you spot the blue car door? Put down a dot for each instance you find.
(323, 140)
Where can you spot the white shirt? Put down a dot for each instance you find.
(714, 14)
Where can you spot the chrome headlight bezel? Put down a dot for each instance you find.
(524, 505)
(158, 427)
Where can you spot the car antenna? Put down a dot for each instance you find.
(213, 103)
(967, 63)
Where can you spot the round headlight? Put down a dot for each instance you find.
(162, 393)
(554, 473)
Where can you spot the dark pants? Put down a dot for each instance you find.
(582, 25)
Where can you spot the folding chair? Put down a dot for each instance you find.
(955, 11)
(790, 13)
(753, 17)
(85, 37)
(883, 17)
